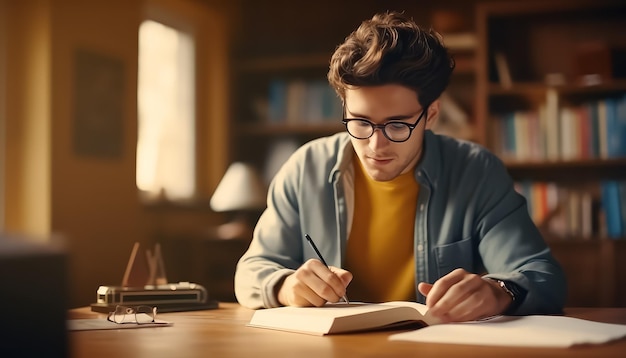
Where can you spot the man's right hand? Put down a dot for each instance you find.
(314, 284)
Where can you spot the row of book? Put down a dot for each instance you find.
(596, 210)
(595, 129)
(298, 101)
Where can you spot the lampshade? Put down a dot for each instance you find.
(241, 188)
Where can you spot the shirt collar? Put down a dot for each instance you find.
(429, 165)
(428, 168)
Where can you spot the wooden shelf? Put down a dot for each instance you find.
(568, 171)
(285, 62)
(465, 64)
(518, 89)
(307, 129)
(540, 39)
(533, 89)
(266, 60)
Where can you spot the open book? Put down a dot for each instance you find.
(527, 331)
(335, 318)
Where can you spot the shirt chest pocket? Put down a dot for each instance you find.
(455, 255)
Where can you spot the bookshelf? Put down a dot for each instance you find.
(286, 98)
(286, 44)
(545, 46)
(551, 102)
(294, 42)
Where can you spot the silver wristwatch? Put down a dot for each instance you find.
(506, 289)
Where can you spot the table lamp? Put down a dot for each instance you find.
(240, 192)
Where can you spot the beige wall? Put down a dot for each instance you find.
(28, 116)
(3, 57)
(93, 201)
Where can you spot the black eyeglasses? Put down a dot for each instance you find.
(395, 131)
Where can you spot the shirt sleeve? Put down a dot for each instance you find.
(513, 249)
(276, 248)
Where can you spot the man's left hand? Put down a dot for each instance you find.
(462, 296)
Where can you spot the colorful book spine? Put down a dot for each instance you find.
(593, 210)
(596, 129)
(592, 113)
(612, 129)
(612, 206)
(616, 133)
(277, 93)
(300, 101)
(622, 202)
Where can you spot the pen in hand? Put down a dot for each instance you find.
(319, 254)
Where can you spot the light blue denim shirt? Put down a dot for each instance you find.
(468, 216)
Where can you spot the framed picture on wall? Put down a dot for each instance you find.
(99, 101)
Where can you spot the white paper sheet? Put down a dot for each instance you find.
(526, 331)
(102, 323)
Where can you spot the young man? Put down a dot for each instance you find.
(398, 212)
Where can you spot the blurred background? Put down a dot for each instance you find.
(120, 118)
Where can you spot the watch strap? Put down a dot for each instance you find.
(517, 293)
(503, 286)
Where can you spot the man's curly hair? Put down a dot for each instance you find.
(392, 49)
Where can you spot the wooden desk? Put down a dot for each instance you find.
(223, 333)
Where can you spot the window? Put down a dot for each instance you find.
(166, 101)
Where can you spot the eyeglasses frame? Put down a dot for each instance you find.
(382, 126)
(132, 310)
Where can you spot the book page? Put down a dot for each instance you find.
(421, 308)
(528, 331)
(334, 317)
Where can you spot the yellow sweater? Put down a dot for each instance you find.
(380, 246)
